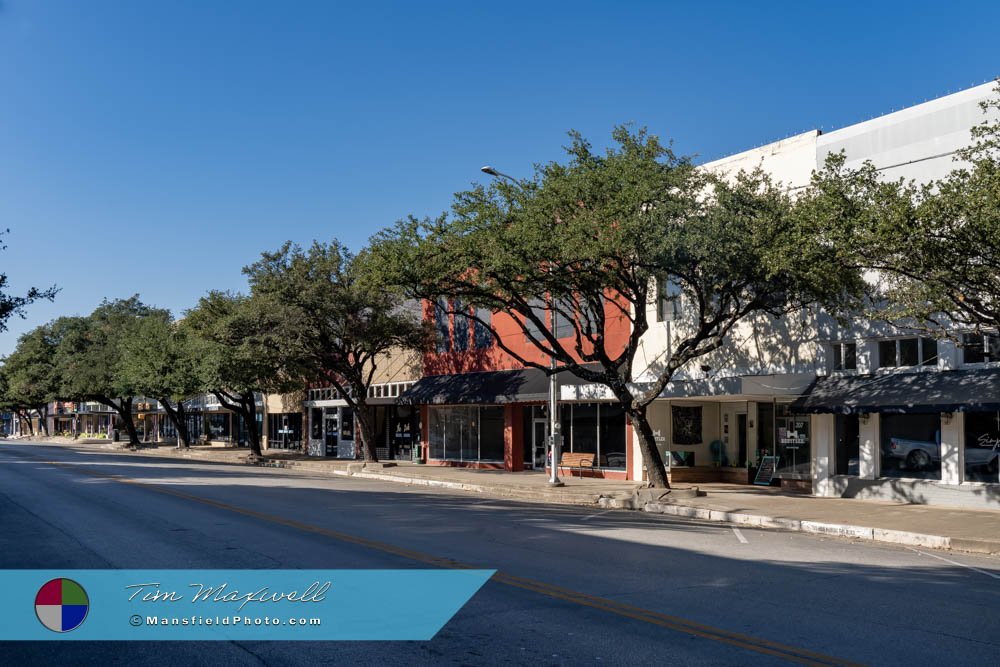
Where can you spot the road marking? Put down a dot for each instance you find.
(739, 535)
(675, 623)
(955, 562)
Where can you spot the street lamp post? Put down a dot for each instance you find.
(555, 435)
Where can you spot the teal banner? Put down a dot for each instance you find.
(169, 605)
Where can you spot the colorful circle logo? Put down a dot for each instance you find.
(61, 605)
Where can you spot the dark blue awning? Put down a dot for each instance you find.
(923, 392)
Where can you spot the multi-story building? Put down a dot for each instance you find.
(866, 410)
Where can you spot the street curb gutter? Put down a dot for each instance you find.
(885, 535)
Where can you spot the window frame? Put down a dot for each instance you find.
(922, 361)
(839, 351)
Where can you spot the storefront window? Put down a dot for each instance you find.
(316, 423)
(911, 446)
(793, 441)
(218, 426)
(347, 425)
(491, 434)
(466, 433)
(686, 422)
(584, 429)
(284, 430)
(982, 446)
(612, 436)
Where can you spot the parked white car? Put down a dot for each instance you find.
(916, 454)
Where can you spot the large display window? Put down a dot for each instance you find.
(466, 433)
(911, 446)
(982, 446)
(794, 453)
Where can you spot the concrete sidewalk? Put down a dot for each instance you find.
(759, 507)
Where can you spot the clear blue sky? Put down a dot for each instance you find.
(158, 147)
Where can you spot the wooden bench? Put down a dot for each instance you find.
(578, 461)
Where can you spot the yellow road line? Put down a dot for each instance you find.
(675, 623)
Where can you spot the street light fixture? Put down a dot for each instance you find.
(555, 435)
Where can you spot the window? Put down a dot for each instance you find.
(347, 424)
(593, 428)
(982, 446)
(482, 337)
(466, 433)
(441, 327)
(904, 352)
(316, 423)
(980, 348)
(461, 340)
(218, 426)
(686, 423)
(793, 441)
(669, 300)
(911, 446)
(845, 356)
(563, 326)
(531, 329)
(284, 430)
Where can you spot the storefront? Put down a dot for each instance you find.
(284, 430)
(927, 437)
(331, 429)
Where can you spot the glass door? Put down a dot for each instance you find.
(331, 428)
(539, 435)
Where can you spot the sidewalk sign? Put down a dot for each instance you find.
(765, 473)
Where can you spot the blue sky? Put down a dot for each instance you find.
(158, 147)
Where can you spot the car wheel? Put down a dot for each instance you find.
(918, 459)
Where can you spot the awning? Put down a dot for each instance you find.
(930, 391)
(520, 386)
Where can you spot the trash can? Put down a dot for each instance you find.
(116, 435)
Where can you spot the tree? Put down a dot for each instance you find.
(31, 374)
(14, 305)
(158, 360)
(238, 347)
(584, 243)
(339, 317)
(937, 246)
(89, 355)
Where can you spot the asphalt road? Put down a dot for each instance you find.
(574, 585)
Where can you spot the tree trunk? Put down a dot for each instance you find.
(250, 417)
(179, 419)
(655, 471)
(43, 420)
(26, 419)
(363, 413)
(123, 408)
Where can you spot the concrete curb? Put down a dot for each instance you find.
(586, 499)
(885, 535)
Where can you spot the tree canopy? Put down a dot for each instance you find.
(338, 317)
(582, 245)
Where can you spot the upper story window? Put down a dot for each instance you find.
(978, 348)
(441, 327)
(669, 300)
(902, 352)
(482, 335)
(461, 337)
(845, 356)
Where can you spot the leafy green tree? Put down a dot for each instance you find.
(339, 318)
(158, 360)
(89, 355)
(580, 246)
(238, 345)
(31, 374)
(937, 245)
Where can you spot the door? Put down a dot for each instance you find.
(847, 453)
(539, 433)
(741, 439)
(331, 427)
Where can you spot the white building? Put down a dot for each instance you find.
(864, 411)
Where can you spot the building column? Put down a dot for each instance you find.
(952, 447)
(823, 431)
(868, 436)
(513, 438)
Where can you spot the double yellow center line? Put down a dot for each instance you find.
(675, 623)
